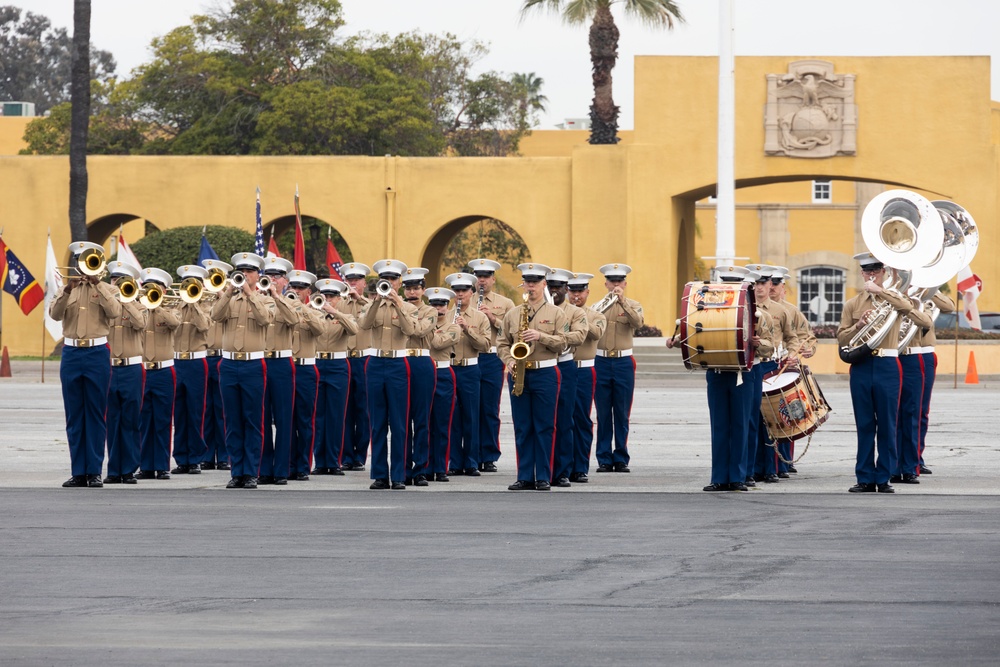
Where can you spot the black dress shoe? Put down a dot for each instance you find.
(456, 471)
(924, 470)
(759, 477)
(792, 469)
(223, 465)
(335, 471)
(398, 486)
(521, 485)
(783, 475)
(408, 481)
(862, 488)
(181, 470)
(129, 479)
(162, 474)
(75, 481)
(563, 483)
(265, 479)
(380, 485)
(441, 477)
(249, 482)
(896, 478)
(94, 481)
(301, 478)
(280, 481)
(145, 474)
(420, 480)
(113, 479)
(542, 485)
(320, 471)
(471, 472)
(750, 483)
(208, 465)
(716, 487)
(356, 467)
(910, 478)
(605, 468)
(235, 483)
(489, 466)
(737, 486)
(886, 488)
(621, 467)
(194, 469)
(771, 479)
(579, 478)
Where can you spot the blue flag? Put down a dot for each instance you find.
(259, 246)
(206, 251)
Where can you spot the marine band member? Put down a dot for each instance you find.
(583, 356)
(359, 348)
(305, 335)
(335, 371)
(423, 376)
(161, 381)
(557, 281)
(444, 339)
(216, 457)
(191, 367)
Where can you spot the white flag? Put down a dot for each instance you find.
(125, 253)
(53, 283)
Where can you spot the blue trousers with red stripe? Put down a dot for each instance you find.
(85, 373)
(465, 424)
(124, 410)
(215, 420)
(765, 461)
(189, 411)
(358, 427)
(565, 407)
(755, 377)
(243, 384)
(908, 423)
(278, 405)
(613, 395)
(156, 415)
(442, 413)
(534, 414)
(388, 409)
(331, 412)
(423, 377)
(928, 361)
(491, 372)
(583, 425)
(875, 384)
(727, 410)
(304, 420)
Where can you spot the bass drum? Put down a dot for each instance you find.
(716, 326)
(792, 405)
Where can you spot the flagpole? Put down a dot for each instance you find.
(43, 348)
(958, 315)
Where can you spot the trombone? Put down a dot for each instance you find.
(155, 296)
(91, 262)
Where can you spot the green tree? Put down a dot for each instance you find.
(176, 247)
(36, 59)
(604, 47)
(529, 92)
(487, 238)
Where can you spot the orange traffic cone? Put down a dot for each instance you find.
(971, 376)
(5, 364)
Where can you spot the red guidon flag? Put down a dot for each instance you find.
(333, 261)
(971, 286)
(299, 258)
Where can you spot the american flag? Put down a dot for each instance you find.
(259, 241)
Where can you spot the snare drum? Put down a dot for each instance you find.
(716, 328)
(790, 407)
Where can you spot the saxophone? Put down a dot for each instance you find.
(520, 351)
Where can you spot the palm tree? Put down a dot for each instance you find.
(530, 90)
(79, 120)
(604, 47)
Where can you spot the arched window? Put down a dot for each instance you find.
(821, 293)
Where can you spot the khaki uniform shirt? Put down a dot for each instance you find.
(158, 339)
(498, 305)
(444, 338)
(127, 331)
(786, 338)
(926, 337)
(803, 331)
(389, 325)
(766, 330)
(245, 318)
(856, 307)
(192, 334)
(362, 339)
(548, 319)
(214, 336)
(596, 325)
(338, 331)
(578, 326)
(305, 334)
(426, 319)
(624, 317)
(476, 336)
(286, 318)
(87, 311)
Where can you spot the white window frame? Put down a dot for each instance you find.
(822, 191)
(833, 285)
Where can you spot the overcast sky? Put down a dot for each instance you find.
(559, 53)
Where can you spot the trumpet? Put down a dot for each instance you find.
(264, 284)
(458, 310)
(190, 291)
(216, 280)
(90, 263)
(605, 303)
(291, 296)
(383, 288)
(318, 301)
(154, 296)
(237, 279)
(128, 289)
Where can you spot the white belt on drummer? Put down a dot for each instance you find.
(611, 354)
(85, 342)
(585, 363)
(187, 356)
(919, 350)
(442, 364)
(885, 353)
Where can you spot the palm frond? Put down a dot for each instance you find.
(655, 13)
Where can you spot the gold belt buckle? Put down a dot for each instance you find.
(412, 353)
(270, 354)
(117, 362)
(149, 365)
(390, 354)
(322, 355)
(84, 342)
(531, 365)
(613, 354)
(241, 356)
(184, 356)
(354, 354)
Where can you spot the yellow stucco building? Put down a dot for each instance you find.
(816, 139)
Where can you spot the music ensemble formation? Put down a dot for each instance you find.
(264, 371)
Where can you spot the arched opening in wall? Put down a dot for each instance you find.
(474, 236)
(315, 233)
(105, 230)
